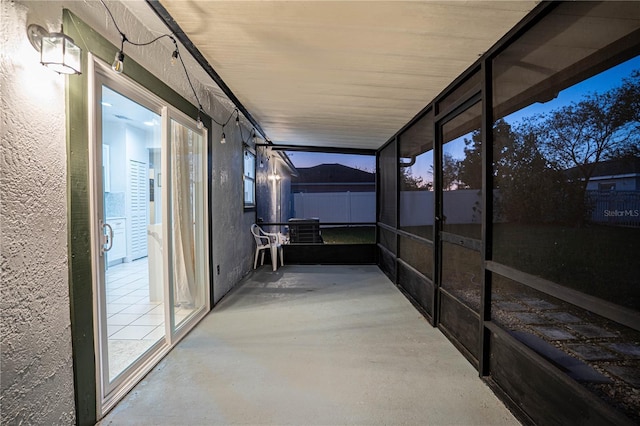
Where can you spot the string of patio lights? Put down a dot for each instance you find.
(118, 67)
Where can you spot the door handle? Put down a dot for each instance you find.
(107, 238)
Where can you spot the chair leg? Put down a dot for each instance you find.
(274, 257)
(262, 258)
(281, 250)
(255, 259)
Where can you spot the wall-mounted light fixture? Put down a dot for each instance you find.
(274, 176)
(57, 50)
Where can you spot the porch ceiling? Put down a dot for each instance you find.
(345, 74)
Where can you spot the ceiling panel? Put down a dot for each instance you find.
(341, 74)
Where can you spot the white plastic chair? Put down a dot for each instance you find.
(265, 240)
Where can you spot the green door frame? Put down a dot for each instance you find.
(78, 203)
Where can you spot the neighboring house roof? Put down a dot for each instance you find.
(332, 173)
(620, 167)
(333, 178)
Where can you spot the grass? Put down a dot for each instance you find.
(598, 260)
(603, 261)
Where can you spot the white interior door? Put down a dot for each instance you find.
(138, 196)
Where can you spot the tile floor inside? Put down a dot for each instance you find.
(134, 321)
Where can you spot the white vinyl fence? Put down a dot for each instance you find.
(347, 207)
(460, 207)
(618, 208)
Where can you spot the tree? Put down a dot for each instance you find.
(600, 127)
(531, 189)
(504, 144)
(450, 172)
(470, 167)
(533, 161)
(410, 182)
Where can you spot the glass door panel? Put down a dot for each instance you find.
(133, 288)
(149, 229)
(188, 224)
(462, 206)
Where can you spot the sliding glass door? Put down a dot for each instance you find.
(132, 290)
(188, 226)
(149, 228)
(459, 231)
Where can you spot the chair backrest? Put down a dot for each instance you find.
(257, 232)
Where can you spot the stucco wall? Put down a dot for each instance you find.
(36, 369)
(274, 198)
(231, 235)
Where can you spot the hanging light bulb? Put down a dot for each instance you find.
(174, 57)
(199, 123)
(237, 121)
(118, 63)
(224, 138)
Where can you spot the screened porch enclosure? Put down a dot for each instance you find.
(496, 219)
(506, 212)
(323, 204)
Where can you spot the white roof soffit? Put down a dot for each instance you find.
(341, 74)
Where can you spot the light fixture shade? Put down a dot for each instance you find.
(60, 53)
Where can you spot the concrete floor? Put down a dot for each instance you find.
(313, 345)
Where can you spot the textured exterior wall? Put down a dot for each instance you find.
(230, 233)
(37, 378)
(274, 197)
(36, 370)
(230, 230)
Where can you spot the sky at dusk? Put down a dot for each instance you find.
(310, 159)
(597, 84)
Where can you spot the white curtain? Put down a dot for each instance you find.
(183, 211)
